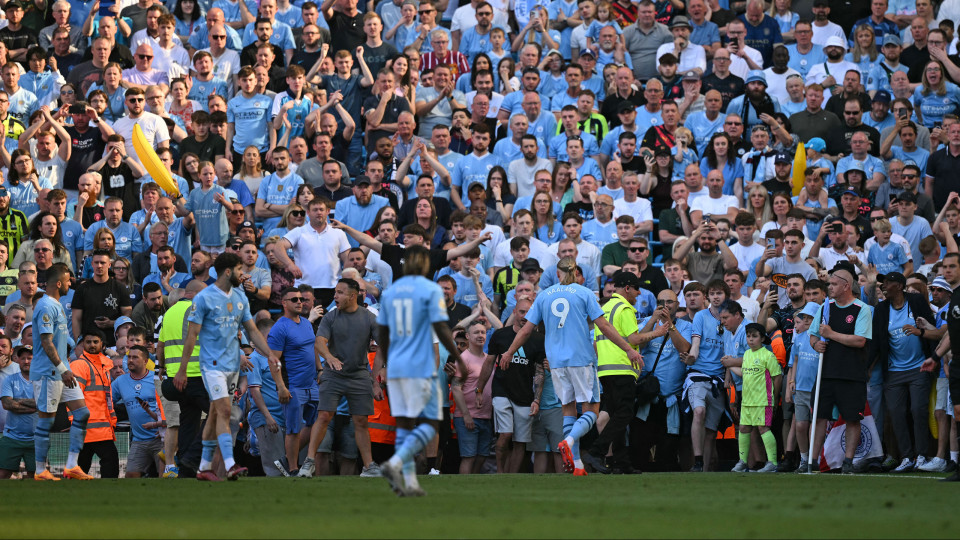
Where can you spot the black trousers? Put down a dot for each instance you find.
(619, 392)
(109, 458)
(652, 434)
(193, 401)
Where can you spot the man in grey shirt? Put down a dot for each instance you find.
(790, 263)
(643, 39)
(343, 340)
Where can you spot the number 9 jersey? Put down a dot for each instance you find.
(565, 311)
(409, 308)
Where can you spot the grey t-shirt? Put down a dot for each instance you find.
(348, 338)
(780, 265)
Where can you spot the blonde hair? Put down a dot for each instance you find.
(686, 134)
(882, 225)
(568, 267)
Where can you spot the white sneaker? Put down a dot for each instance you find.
(307, 469)
(936, 464)
(433, 472)
(906, 465)
(740, 467)
(921, 461)
(371, 471)
(394, 476)
(770, 467)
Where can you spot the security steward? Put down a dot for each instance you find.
(617, 375)
(193, 401)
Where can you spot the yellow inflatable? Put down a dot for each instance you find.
(799, 166)
(151, 162)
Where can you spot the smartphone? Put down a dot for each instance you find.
(105, 6)
(893, 197)
(771, 243)
(78, 108)
(707, 218)
(836, 227)
(904, 113)
(937, 125)
(661, 303)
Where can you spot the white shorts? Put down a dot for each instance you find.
(508, 417)
(220, 384)
(415, 398)
(576, 384)
(171, 409)
(50, 393)
(943, 396)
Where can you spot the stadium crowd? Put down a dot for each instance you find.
(744, 186)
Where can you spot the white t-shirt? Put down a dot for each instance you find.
(519, 174)
(538, 250)
(746, 254)
(708, 205)
(52, 170)
(640, 209)
(751, 308)
(318, 254)
(822, 33)
(154, 129)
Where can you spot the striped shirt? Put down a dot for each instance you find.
(13, 228)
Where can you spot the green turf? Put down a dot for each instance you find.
(651, 505)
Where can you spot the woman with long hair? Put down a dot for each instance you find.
(44, 226)
(720, 155)
(499, 198)
(786, 19)
(655, 183)
(426, 215)
(181, 107)
(935, 97)
(864, 52)
(304, 195)
(545, 224)
(68, 96)
(387, 213)
(250, 171)
(404, 79)
(781, 203)
(294, 216)
(190, 169)
(758, 204)
(467, 82)
(564, 187)
(102, 239)
(122, 273)
(189, 15)
(24, 182)
(116, 104)
(504, 78)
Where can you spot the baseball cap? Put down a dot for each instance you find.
(626, 106)
(690, 76)
(882, 96)
(12, 4)
(907, 196)
(817, 144)
(821, 3)
(810, 309)
(835, 41)
(891, 39)
(531, 265)
(941, 283)
(122, 320)
(846, 266)
(361, 179)
(247, 225)
(756, 76)
(782, 157)
(850, 192)
(892, 276)
(758, 328)
(680, 22)
(626, 279)
(662, 151)
(588, 52)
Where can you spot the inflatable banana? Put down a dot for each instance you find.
(799, 166)
(151, 162)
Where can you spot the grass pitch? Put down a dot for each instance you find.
(489, 506)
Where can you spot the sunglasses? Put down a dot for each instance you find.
(236, 212)
(719, 329)
(136, 100)
(222, 37)
(235, 246)
(145, 56)
(298, 213)
(41, 250)
(296, 299)
(637, 249)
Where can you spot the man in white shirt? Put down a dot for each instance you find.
(521, 171)
(745, 250)
(226, 62)
(523, 227)
(823, 29)
(715, 204)
(154, 128)
(587, 253)
(830, 74)
(839, 250)
(690, 56)
(631, 205)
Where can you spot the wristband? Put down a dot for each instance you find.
(61, 368)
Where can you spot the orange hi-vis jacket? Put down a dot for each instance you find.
(92, 373)
(382, 426)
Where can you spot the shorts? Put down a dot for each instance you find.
(475, 442)
(508, 417)
(953, 384)
(803, 406)
(849, 397)
(358, 391)
(943, 396)
(340, 437)
(50, 393)
(220, 384)
(301, 410)
(142, 454)
(756, 416)
(705, 394)
(12, 452)
(576, 384)
(415, 397)
(547, 430)
(171, 409)
(787, 411)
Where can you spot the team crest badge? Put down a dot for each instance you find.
(230, 307)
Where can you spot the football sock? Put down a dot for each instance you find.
(402, 435)
(954, 456)
(206, 456)
(743, 443)
(582, 426)
(225, 442)
(568, 422)
(78, 430)
(410, 474)
(416, 441)
(770, 445)
(804, 458)
(41, 442)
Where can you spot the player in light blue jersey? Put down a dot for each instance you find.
(138, 393)
(53, 382)
(248, 115)
(215, 317)
(565, 310)
(412, 311)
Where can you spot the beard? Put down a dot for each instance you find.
(234, 280)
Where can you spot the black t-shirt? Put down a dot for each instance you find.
(305, 59)
(85, 75)
(653, 280)
(584, 208)
(66, 62)
(393, 255)
(391, 113)
(120, 182)
(841, 361)
(729, 87)
(456, 314)
(376, 57)
(100, 300)
(87, 150)
(346, 32)
(18, 39)
(248, 56)
(516, 383)
(610, 105)
(775, 186)
(213, 145)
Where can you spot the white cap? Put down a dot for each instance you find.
(835, 41)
